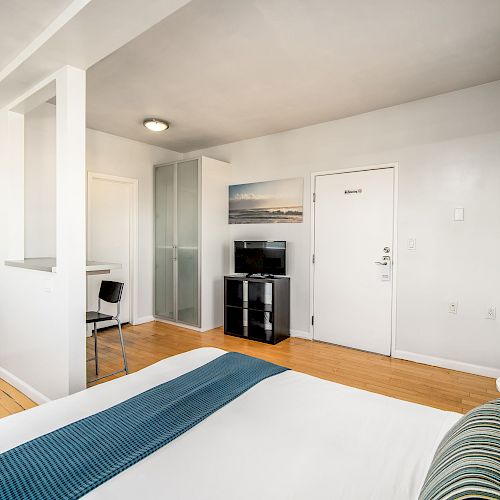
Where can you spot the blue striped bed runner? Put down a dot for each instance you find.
(75, 459)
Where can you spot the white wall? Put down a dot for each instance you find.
(448, 149)
(113, 155)
(42, 315)
(40, 182)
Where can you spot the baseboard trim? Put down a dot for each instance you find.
(180, 325)
(22, 386)
(301, 334)
(450, 364)
(143, 319)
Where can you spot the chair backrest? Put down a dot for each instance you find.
(111, 291)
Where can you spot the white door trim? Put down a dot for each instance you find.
(134, 232)
(314, 175)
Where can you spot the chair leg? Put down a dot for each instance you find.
(125, 365)
(95, 350)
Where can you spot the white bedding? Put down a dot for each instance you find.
(291, 436)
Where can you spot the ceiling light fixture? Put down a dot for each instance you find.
(155, 124)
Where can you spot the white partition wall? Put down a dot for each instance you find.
(42, 314)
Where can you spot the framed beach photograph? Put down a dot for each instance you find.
(267, 202)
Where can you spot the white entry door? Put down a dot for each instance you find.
(109, 238)
(353, 249)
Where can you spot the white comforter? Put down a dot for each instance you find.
(292, 436)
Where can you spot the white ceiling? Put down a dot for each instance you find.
(83, 34)
(225, 70)
(23, 20)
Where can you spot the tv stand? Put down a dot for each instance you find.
(257, 308)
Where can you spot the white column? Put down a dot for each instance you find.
(70, 214)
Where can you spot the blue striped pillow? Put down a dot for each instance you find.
(467, 462)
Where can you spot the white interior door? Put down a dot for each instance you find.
(353, 249)
(109, 239)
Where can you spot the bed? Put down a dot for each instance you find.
(291, 436)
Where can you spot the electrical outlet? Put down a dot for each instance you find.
(492, 313)
(453, 307)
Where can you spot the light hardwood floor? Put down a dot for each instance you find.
(428, 385)
(12, 401)
(151, 342)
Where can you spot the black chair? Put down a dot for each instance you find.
(111, 292)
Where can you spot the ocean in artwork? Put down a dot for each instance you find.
(268, 202)
(265, 215)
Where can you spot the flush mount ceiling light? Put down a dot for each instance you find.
(155, 124)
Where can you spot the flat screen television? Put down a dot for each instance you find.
(260, 257)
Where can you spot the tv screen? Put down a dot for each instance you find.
(260, 257)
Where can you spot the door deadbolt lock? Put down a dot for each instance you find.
(387, 250)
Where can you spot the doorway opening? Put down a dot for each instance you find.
(112, 212)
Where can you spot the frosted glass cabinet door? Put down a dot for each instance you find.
(164, 241)
(187, 242)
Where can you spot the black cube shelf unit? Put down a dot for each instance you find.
(264, 315)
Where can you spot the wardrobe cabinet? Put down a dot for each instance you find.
(191, 241)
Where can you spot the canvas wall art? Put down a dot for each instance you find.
(266, 202)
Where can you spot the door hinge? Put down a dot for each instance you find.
(314, 258)
(312, 320)
(314, 197)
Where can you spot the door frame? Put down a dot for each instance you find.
(314, 175)
(133, 235)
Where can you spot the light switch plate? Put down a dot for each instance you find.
(459, 214)
(412, 243)
(453, 307)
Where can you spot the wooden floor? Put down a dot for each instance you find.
(12, 401)
(428, 385)
(151, 342)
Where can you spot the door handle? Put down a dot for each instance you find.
(381, 263)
